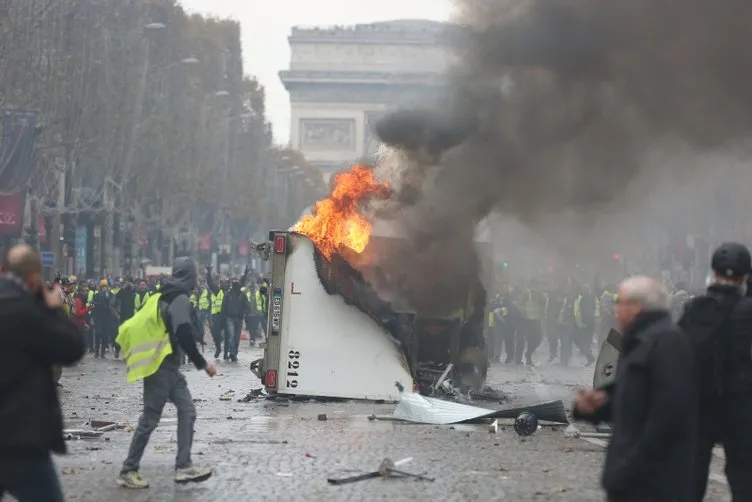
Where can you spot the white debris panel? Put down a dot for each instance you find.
(427, 410)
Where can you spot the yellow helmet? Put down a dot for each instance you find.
(72, 279)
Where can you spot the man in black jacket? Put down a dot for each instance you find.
(719, 323)
(235, 308)
(36, 335)
(652, 403)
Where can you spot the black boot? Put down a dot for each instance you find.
(217, 351)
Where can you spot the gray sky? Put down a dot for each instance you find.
(266, 25)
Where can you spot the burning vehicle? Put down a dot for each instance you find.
(338, 326)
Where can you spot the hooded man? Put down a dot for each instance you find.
(151, 341)
(104, 311)
(235, 308)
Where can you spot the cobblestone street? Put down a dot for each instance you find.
(262, 450)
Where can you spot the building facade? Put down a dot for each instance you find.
(343, 79)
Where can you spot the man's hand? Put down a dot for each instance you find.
(210, 369)
(53, 296)
(589, 401)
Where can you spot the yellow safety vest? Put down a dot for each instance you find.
(217, 302)
(578, 312)
(203, 300)
(261, 302)
(90, 297)
(193, 299)
(138, 303)
(115, 291)
(532, 307)
(491, 319)
(144, 341)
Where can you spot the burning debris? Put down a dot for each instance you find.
(338, 223)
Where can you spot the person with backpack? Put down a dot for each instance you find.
(151, 341)
(712, 323)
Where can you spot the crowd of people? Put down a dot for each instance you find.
(566, 316)
(680, 388)
(223, 307)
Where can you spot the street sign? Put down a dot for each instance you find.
(48, 259)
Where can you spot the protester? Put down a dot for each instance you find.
(652, 403)
(151, 341)
(719, 324)
(36, 335)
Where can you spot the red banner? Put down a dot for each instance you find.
(42, 229)
(12, 213)
(205, 242)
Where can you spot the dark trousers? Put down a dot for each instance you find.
(553, 337)
(737, 444)
(232, 335)
(579, 337)
(529, 338)
(707, 437)
(90, 339)
(102, 340)
(218, 325)
(510, 330)
(39, 483)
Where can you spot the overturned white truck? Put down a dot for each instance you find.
(331, 336)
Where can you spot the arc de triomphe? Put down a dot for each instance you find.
(342, 79)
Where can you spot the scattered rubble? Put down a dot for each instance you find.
(387, 469)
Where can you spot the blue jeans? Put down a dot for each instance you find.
(39, 483)
(232, 343)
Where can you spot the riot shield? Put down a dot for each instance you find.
(608, 359)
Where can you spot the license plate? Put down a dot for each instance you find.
(276, 310)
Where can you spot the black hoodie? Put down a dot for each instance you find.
(175, 306)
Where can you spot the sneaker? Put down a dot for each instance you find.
(192, 474)
(132, 480)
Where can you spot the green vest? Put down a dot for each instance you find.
(532, 307)
(90, 297)
(138, 302)
(203, 300)
(144, 341)
(217, 302)
(261, 305)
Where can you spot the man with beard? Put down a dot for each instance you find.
(151, 341)
(651, 404)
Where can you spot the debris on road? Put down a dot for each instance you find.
(493, 427)
(387, 469)
(322, 417)
(526, 424)
(420, 409)
(254, 394)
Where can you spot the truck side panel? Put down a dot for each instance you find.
(328, 348)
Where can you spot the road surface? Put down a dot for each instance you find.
(262, 450)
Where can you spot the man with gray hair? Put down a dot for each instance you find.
(651, 404)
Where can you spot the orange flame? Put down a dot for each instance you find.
(337, 222)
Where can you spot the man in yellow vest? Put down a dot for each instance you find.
(142, 295)
(151, 341)
(533, 304)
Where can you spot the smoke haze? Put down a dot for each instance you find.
(560, 112)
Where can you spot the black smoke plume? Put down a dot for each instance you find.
(552, 108)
